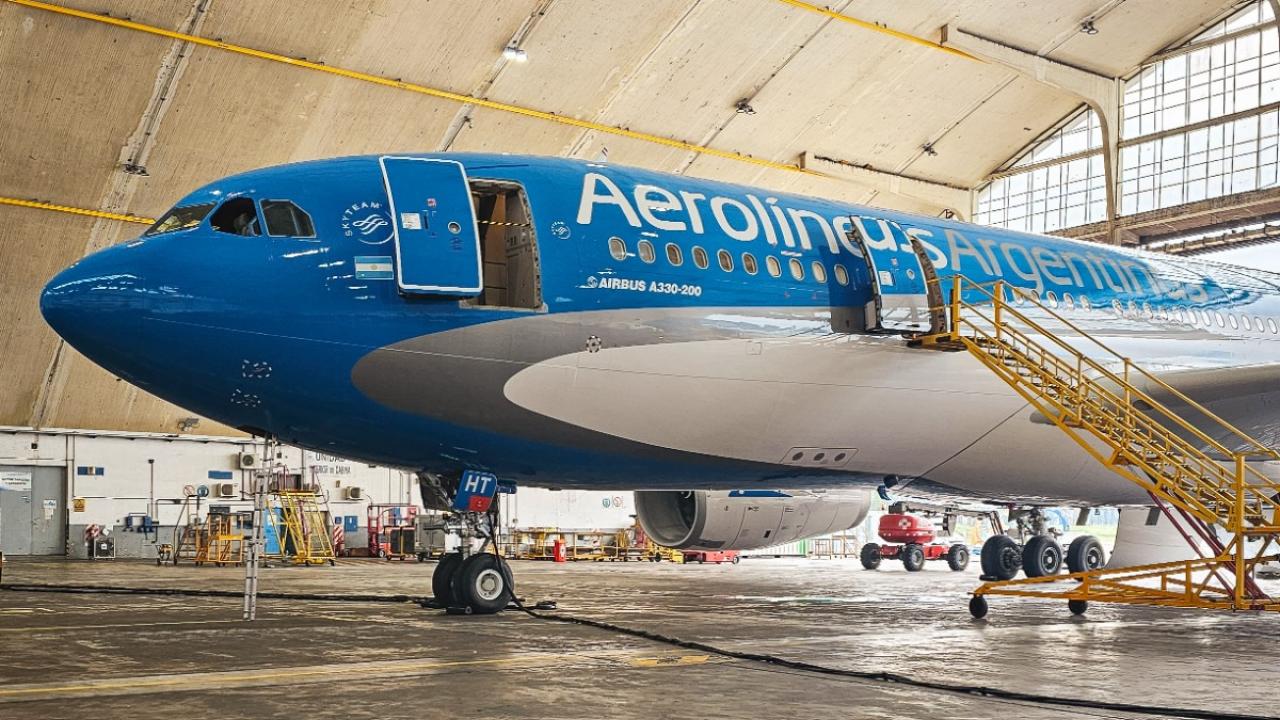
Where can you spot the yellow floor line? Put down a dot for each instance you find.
(209, 681)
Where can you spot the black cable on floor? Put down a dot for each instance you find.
(976, 691)
(888, 677)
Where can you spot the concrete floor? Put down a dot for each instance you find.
(125, 656)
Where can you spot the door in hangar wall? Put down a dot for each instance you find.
(33, 510)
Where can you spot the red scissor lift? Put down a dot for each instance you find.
(391, 528)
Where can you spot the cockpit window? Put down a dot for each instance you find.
(236, 216)
(283, 218)
(181, 218)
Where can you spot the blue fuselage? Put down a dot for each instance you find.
(315, 338)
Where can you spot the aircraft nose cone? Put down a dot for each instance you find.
(94, 304)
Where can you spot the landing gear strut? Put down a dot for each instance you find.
(469, 581)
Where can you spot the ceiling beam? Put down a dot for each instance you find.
(957, 200)
(1099, 92)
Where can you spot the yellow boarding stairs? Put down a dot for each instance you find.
(305, 539)
(1196, 476)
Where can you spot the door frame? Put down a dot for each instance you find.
(917, 262)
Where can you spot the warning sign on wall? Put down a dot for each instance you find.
(19, 480)
(77, 504)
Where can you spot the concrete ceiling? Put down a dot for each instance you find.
(82, 99)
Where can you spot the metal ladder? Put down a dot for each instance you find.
(1197, 474)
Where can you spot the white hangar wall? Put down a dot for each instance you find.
(115, 475)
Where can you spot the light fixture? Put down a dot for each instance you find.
(928, 149)
(1088, 28)
(515, 53)
(187, 424)
(744, 108)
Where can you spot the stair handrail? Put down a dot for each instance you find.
(997, 297)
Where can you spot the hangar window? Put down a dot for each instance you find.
(647, 253)
(508, 245)
(819, 272)
(617, 248)
(774, 267)
(749, 263)
(1197, 121)
(284, 219)
(842, 275)
(797, 269)
(181, 218)
(700, 258)
(237, 216)
(674, 256)
(726, 260)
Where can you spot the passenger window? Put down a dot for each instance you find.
(1052, 299)
(842, 275)
(617, 248)
(1231, 320)
(237, 216)
(819, 272)
(774, 267)
(1244, 320)
(749, 263)
(1084, 303)
(726, 260)
(797, 269)
(645, 248)
(1257, 323)
(674, 256)
(1218, 316)
(183, 218)
(1067, 302)
(700, 258)
(1115, 305)
(1271, 326)
(284, 219)
(1146, 310)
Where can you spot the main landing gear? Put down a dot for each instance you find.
(1041, 555)
(469, 580)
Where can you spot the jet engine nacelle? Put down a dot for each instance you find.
(744, 520)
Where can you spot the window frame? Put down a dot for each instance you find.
(675, 256)
(257, 214)
(640, 251)
(616, 243)
(262, 218)
(174, 210)
(700, 258)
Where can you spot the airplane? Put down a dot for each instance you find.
(735, 355)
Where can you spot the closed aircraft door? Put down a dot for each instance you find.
(899, 279)
(436, 241)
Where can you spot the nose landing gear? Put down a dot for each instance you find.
(469, 581)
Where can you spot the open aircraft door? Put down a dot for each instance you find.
(907, 294)
(437, 244)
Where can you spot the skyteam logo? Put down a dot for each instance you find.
(367, 222)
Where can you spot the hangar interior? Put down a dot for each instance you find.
(1149, 124)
